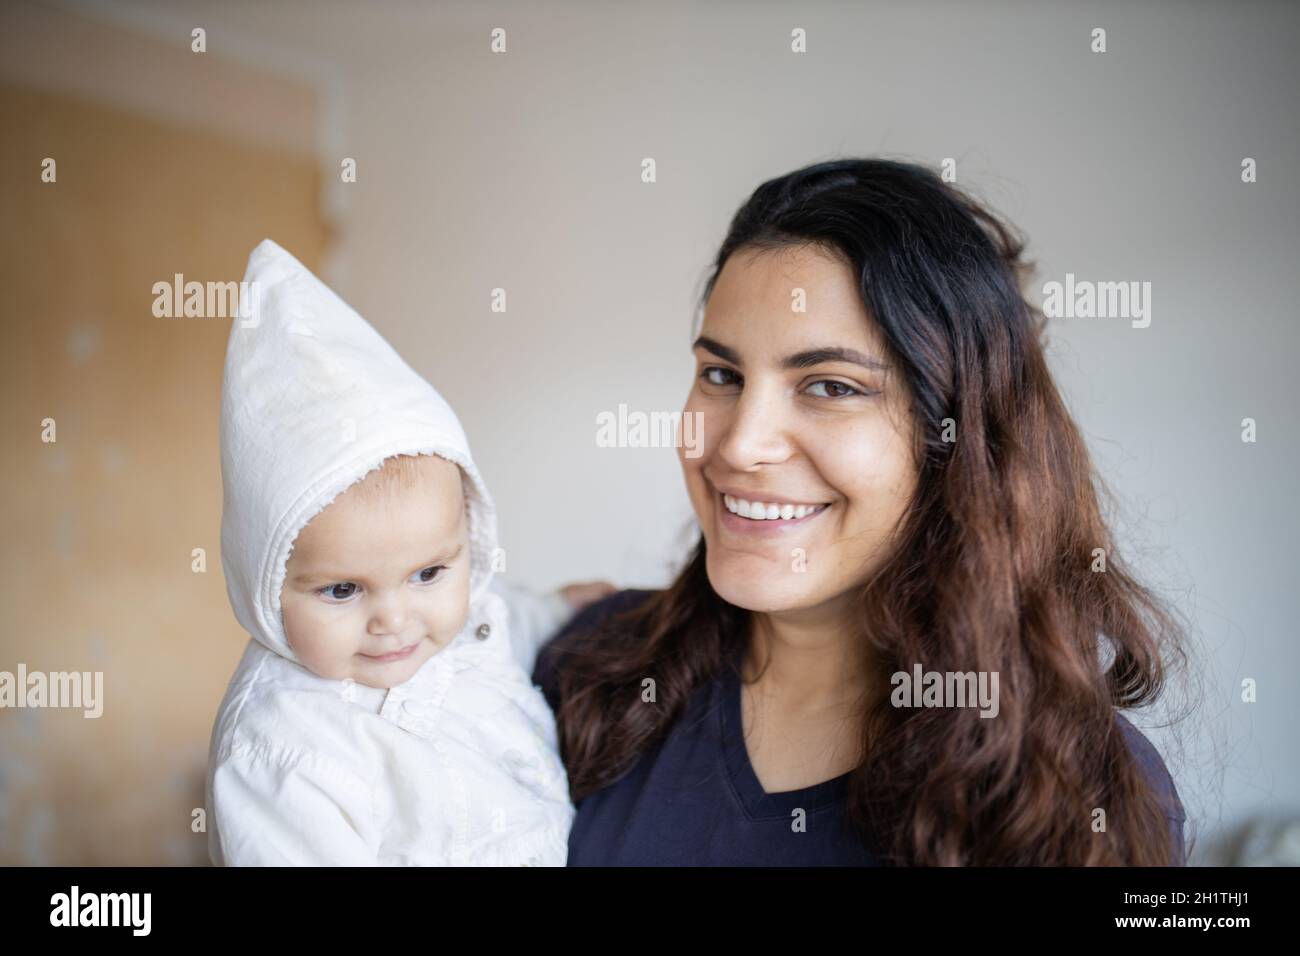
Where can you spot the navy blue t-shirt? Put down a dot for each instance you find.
(695, 800)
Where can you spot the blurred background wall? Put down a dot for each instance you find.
(165, 163)
(522, 171)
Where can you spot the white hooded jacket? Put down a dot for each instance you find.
(456, 766)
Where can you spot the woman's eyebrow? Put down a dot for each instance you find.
(717, 348)
(832, 353)
(805, 359)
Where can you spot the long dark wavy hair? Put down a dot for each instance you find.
(993, 567)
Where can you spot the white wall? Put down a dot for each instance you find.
(522, 171)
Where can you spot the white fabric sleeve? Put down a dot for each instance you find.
(535, 617)
(276, 807)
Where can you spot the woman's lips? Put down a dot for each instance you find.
(765, 527)
(394, 656)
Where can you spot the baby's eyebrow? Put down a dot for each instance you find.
(325, 576)
(445, 557)
(312, 576)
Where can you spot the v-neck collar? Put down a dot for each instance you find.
(756, 802)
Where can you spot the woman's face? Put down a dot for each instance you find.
(799, 415)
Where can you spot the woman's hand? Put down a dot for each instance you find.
(584, 593)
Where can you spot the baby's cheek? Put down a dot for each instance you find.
(314, 640)
(295, 627)
(450, 620)
(448, 612)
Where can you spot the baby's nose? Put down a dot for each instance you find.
(388, 618)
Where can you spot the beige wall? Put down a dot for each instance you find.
(100, 525)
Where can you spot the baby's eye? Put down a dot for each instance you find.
(428, 574)
(339, 592)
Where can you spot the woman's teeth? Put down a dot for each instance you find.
(767, 511)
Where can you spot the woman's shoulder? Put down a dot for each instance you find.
(1149, 759)
(595, 613)
(591, 618)
(1157, 774)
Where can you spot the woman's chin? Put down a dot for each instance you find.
(764, 590)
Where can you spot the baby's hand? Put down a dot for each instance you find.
(580, 595)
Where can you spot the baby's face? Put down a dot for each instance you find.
(378, 582)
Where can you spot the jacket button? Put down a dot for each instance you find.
(483, 631)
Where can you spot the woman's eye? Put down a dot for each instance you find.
(428, 574)
(339, 592)
(847, 390)
(707, 375)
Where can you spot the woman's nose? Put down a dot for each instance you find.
(757, 431)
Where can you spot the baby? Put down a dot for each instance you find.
(382, 712)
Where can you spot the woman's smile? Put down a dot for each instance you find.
(742, 516)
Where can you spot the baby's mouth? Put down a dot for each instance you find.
(393, 655)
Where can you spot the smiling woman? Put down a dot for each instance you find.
(799, 411)
(887, 482)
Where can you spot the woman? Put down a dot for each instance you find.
(888, 485)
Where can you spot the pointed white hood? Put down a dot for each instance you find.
(313, 398)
